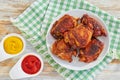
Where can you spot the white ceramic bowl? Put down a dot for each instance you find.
(17, 72)
(76, 64)
(3, 54)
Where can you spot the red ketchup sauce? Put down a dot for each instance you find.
(31, 64)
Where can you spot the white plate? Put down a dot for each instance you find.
(76, 64)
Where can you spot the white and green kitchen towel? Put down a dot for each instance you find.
(35, 20)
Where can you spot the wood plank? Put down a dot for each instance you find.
(110, 6)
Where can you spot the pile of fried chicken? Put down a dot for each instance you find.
(77, 37)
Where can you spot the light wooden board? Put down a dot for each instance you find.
(12, 8)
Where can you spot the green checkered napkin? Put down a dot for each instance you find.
(35, 20)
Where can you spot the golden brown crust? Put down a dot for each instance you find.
(64, 24)
(74, 34)
(91, 23)
(62, 50)
(78, 37)
(91, 51)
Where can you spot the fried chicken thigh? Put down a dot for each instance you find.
(64, 24)
(91, 23)
(78, 37)
(62, 50)
(91, 51)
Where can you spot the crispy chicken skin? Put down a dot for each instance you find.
(62, 50)
(78, 37)
(91, 23)
(91, 51)
(64, 24)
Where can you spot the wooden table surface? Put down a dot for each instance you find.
(12, 8)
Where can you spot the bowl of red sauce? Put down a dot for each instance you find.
(29, 65)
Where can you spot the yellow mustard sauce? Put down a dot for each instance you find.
(13, 45)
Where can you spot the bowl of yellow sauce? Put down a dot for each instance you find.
(11, 45)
